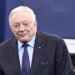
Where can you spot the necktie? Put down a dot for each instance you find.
(25, 62)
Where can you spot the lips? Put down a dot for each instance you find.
(22, 34)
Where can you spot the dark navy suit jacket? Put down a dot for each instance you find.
(50, 57)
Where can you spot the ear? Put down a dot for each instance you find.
(11, 28)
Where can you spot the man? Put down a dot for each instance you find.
(48, 54)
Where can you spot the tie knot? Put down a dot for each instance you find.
(25, 45)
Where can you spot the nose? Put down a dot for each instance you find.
(22, 28)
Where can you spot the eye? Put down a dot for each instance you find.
(16, 25)
(25, 24)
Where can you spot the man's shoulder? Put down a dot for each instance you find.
(7, 42)
(49, 36)
(51, 39)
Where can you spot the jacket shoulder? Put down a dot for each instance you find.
(49, 36)
(7, 42)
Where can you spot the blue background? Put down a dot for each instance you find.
(53, 16)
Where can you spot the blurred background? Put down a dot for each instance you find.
(53, 16)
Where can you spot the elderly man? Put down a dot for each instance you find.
(30, 52)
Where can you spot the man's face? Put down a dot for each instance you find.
(22, 26)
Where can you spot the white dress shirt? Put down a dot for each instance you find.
(30, 50)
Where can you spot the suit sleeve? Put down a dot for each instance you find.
(63, 61)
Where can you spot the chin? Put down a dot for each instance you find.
(23, 39)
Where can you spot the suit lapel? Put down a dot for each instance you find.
(38, 48)
(14, 58)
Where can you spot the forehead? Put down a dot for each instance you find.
(21, 15)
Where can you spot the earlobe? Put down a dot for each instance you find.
(36, 22)
(10, 27)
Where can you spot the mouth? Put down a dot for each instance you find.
(23, 34)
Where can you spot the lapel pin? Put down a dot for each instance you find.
(39, 47)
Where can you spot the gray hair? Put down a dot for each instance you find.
(20, 8)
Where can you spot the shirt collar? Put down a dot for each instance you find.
(30, 43)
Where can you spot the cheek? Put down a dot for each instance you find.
(33, 28)
(15, 32)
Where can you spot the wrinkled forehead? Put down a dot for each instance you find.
(21, 13)
(22, 16)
